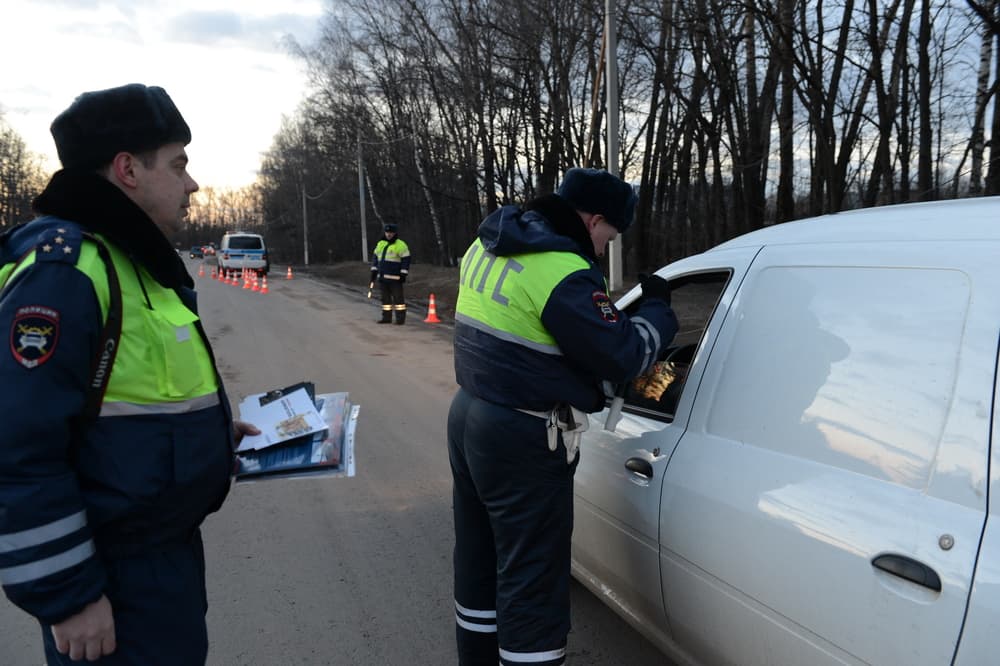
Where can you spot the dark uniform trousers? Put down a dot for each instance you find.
(392, 301)
(513, 506)
(155, 624)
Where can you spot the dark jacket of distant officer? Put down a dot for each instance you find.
(390, 268)
(100, 512)
(535, 335)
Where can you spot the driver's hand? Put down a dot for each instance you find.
(653, 286)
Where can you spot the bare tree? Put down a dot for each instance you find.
(21, 177)
(987, 11)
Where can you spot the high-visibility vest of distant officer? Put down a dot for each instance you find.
(390, 268)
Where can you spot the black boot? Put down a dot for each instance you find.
(386, 318)
(401, 317)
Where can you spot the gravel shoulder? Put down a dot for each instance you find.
(423, 281)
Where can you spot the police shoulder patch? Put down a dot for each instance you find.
(34, 334)
(605, 309)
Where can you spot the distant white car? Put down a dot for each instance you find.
(809, 477)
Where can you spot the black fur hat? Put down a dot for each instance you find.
(599, 192)
(391, 227)
(132, 118)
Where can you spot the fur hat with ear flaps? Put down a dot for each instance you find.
(601, 193)
(132, 118)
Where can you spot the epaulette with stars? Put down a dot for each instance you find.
(61, 244)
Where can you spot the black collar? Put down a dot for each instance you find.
(94, 203)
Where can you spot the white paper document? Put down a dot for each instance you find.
(326, 454)
(285, 418)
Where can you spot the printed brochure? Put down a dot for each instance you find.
(327, 452)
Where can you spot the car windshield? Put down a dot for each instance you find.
(245, 243)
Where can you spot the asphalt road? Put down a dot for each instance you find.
(350, 571)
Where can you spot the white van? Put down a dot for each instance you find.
(811, 478)
(243, 251)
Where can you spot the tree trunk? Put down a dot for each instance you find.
(785, 202)
(925, 173)
(977, 140)
(444, 256)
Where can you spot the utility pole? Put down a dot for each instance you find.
(361, 202)
(305, 226)
(611, 71)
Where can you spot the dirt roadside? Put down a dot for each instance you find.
(423, 281)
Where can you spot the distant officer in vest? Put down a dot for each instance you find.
(390, 268)
(117, 433)
(536, 334)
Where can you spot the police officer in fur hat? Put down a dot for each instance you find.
(535, 335)
(103, 491)
(390, 268)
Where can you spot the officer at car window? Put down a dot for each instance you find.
(117, 433)
(390, 268)
(535, 336)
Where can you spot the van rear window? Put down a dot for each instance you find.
(245, 243)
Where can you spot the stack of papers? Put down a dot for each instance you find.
(301, 435)
(284, 418)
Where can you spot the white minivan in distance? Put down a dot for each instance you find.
(808, 476)
(241, 251)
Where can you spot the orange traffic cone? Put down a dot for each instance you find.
(213, 273)
(263, 286)
(432, 316)
(246, 279)
(256, 283)
(288, 275)
(201, 271)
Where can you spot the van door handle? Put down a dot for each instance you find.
(908, 568)
(639, 466)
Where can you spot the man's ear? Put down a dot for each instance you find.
(123, 169)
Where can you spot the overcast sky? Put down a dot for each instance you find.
(221, 61)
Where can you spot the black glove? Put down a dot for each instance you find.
(374, 274)
(402, 278)
(653, 286)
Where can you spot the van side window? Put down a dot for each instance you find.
(694, 298)
(852, 367)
